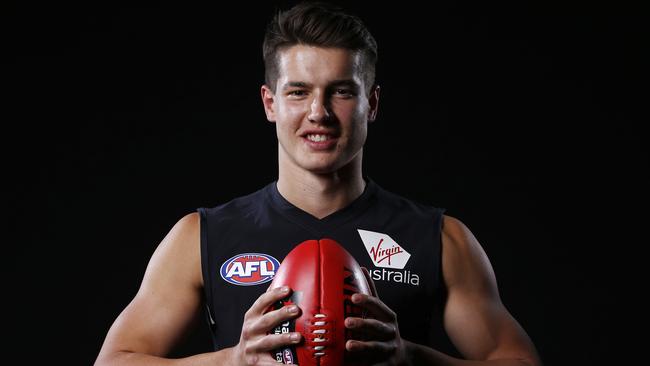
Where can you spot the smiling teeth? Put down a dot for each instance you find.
(317, 138)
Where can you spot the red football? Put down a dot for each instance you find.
(323, 276)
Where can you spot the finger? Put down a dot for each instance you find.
(377, 330)
(271, 362)
(376, 307)
(272, 319)
(374, 348)
(260, 359)
(371, 283)
(267, 299)
(273, 341)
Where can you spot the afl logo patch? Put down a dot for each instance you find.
(249, 269)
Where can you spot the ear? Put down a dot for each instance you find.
(373, 101)
(267, 100)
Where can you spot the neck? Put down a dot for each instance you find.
(321, 194)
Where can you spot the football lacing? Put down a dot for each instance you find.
(319, 335)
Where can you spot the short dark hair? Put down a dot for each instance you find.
(322, 25)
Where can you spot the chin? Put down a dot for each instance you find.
(328, 165)
(319, 167)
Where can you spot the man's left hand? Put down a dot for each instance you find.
(382, 344)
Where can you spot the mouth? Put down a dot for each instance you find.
(318, 137)
(320, 140)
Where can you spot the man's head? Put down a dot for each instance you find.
(321, 25)
(320, 90)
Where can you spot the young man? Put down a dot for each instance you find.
(321, 95)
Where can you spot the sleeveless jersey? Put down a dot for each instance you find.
(397, 240)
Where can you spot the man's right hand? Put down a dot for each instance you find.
(255, 344)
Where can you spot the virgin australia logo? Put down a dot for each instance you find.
(383, 250)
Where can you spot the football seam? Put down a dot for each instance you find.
(318, 354)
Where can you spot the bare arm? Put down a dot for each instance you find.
(476, 320)
(166, 306)
(169, 302)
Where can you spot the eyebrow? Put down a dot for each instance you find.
(295, 84)
(302, 84)
(345, 82)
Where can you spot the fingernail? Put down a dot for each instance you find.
(349, 345)
(284, 289)
(293, 309)
(295, 337)
(356, 298)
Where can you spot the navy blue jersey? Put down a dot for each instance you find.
(397, 240)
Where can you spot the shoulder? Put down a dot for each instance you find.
(185, 230)
(464, 262)
(455, 232)
(178, 254)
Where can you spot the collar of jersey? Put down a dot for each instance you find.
(329, 222)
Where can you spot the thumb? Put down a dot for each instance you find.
(371, 283)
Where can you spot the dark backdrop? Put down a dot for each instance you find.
(524, 122)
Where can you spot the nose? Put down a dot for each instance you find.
(318, 110)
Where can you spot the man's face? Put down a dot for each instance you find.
(321, 108)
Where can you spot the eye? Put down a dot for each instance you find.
(297, 93)
(343, 92)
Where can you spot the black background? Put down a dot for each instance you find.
(523, 121)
